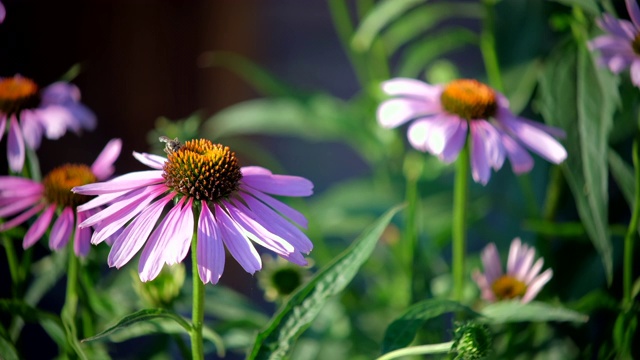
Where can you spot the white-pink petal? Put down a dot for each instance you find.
(15, 146)
(121, 183)
(62, 229)
(284, 185)
(239, 246)
(151, 160)
(103, 167)
(39, 227)
(211, 254)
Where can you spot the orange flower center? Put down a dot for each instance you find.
(469, 99)
(17, 93)
(201, 169)
(508, 287)
(59, 182)
(635, 44)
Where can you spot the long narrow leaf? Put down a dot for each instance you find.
(383, 14)
(515, 311)
(277, 340)
(142, 315)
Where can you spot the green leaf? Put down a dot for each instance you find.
(579, 97)
(258, 77)
(50, 322)
(420, 20)
(382, 15)
(417, 56)
(142, 315)
(276, 341)
(588, 5)
(623, 175)
(278, 116)
(7, 350)
(515, 311)
(401, 331)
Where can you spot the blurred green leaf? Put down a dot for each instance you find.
(515, 311)
(258, 77)
(520, 82)
(7, 350)
(421, 19)
(623, 175)
(46, 273)
(276, 341)
(579, 97)
(278, 116)
(417, 56)
(50, 322)
(588, 5)
(142, 315)
(383, 14)
(401, 331)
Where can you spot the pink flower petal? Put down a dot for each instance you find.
(536, 285)
(514, 254)
(39, 227)
(124, 182)
(82, 237)
(491, 263)
(237, 243)
(535, 139)
(3, 125)
(395, 112)
(455, 143)
(480, 168)
(129, 242)
(32, 130)
(17, 205)
(284, 185)
(211, 254)
(411, 87)
(178, 247)
(634, 12)
(15, 147)
(521, 161)
(418, 134)
(152, 161)
(61, 229)
(279, 206)
(103, 168)
(21, 218)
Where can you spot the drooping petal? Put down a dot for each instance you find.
(127, 206)
(103, 168)
(15, 146)
(61, 229)
(635, 72)
(178, 247)
(155, 253)
(3, 125)
(151, 160)
(130, 241)
(82, 237)
(443, 127)
(279, 206)
(536, 285)
(211, 254)
(418, 134)
(535, 139)
(620, 28)
(411, 87)
(124, 182)
(39, 227)
(32, 130)
(634, 12)
(455, 143)
(521, 161)
(18, 205)
(395, 112)
(239, 246)
(55, 119)
(480, 168)
(21, 218)
(60, 93)
(284, 185)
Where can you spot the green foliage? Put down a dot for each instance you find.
(515, 311)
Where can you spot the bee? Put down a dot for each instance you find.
(171, 146)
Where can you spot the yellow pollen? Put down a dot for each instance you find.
(17, 93)
(202, 170)
(59, 182)
(469, 99)
(508, 287)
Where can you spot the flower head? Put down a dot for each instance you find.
(31, 112)
(523, 279)
(198, 179)
(444, 114)
(25, 198)
(620, 48)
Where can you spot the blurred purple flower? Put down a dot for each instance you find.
(523, 279)
(3, 12)
(231, 205)
(620, 48)
(32, 113)
(25, 198)
(442, 116)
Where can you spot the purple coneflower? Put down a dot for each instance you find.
(3, 12)
(620, 48)
(31, 112)
(442, 115)
(523, 279)
(25, 198)
(231, 205)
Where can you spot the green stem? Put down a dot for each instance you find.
(458, 231)
(631, 233)
(71, 300)
(411, 238)
(12, 259)
(345, 29)
(418, 350)
(197, 316)
(488, 46)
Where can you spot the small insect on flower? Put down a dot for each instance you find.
(171, 146)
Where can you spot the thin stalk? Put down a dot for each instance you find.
(71, 299)
(344, 28)
(488, 46)
(197, 315)
(458, 231)
(12, 260)
(418, 350)
(631, 233)
(411, 238)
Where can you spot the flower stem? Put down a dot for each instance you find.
(345, 29)
(458, 231)
(71, 299)
(197, 316)
(411, 239)
(488, 46)
(418, 350)
(631, 233)
(12, 259)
